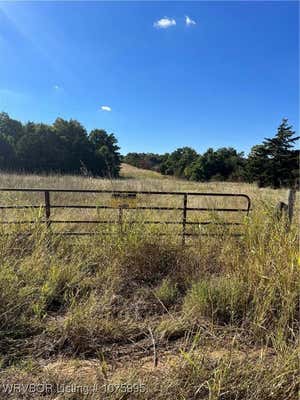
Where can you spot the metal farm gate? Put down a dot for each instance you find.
(121, 202)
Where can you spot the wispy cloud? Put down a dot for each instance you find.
(189, 21)
(164, 23)
(105, 108)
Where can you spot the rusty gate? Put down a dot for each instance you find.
(127, 200)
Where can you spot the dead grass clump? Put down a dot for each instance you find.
(149, 261)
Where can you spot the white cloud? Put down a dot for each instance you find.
(56, 87)
(164, 23)
(105, 108)
(189, 21)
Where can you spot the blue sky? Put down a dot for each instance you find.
(225, 80)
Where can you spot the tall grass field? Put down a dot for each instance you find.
(136, 315)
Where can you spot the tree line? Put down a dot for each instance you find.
(274, 162)
(67, 147)
(64, 146)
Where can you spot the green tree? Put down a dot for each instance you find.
(275, 162)
(7, 154)
(258, 166)
(62, 147)
(178, 162)
(107, 151)
(10, 129)
(223, 164)
(75, 152)
(39, 149)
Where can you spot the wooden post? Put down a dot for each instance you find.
(291, 203)
(184, 218)
(280, 210)
(47, 208)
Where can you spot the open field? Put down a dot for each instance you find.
(140, 317)
(137, 179)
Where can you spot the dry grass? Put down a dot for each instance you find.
(138, 179)
(223, 313)
(131, 172)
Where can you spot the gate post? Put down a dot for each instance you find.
(184, 218)
(47, 208)
(291, 203)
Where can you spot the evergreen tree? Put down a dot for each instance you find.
(275, 162)
(258, 166)
(280, 150)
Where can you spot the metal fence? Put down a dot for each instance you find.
(121, 200)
